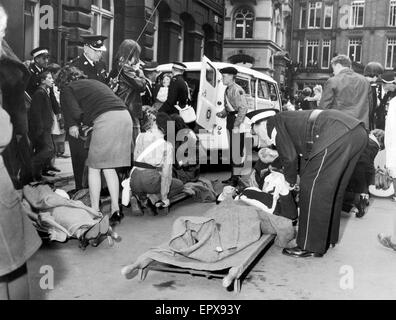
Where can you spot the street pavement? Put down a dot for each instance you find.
(357, 268)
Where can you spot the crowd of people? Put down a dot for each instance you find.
(117, 126)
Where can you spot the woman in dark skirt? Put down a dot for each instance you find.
(92, 103)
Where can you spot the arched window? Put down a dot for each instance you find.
(244, 23)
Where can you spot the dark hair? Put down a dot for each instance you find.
(68, 74)
(53, 67)
(343, 60)
(127, 50)
(373, 69)
(161, 120)
(179, 122)
(43, 75)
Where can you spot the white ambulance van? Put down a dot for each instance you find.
(205, 82)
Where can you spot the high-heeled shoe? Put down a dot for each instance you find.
(92, 234)
(116, 217)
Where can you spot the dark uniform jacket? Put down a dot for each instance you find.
(349, 92)
(148, 95)
(291, 138)
(84, 100)
(96, 71)
(178, 94)
(34, 81)
(41, 113)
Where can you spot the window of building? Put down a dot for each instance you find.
(326, 48)
(312, 53)
(328, 17)
(103, 24)
(31, 17)
(390, 62)
(355, 50)
(303, 17)
(357, 12)
(244, 23)
(314, 13)
(300, 52)
(392, 13)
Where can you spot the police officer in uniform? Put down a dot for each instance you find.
(322, 147)
(235, 110)
(178, 90)
(39, 64)
(90, 63)
(151, 73)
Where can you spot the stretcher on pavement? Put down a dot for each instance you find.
(233, 275)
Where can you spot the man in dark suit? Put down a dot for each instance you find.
(178, 90)
(39, 64)
(322, 147)
(347, 91)
(90, 63)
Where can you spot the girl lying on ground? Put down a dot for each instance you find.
(268, 190)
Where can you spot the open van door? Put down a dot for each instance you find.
(210, 101)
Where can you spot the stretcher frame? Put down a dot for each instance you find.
(264, 243)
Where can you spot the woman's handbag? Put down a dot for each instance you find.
(187, 113)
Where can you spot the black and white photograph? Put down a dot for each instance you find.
(196, 155)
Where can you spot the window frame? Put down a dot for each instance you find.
(390, 42)
(305, 14)
(358, 42)
(331, 17)
(392, 13)
(244, 28)
(326, 44)
(300, 51)
(313, 44)
(97, 9)
(316, 6)
(356, 5)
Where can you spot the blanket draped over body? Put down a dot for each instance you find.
(222, 238)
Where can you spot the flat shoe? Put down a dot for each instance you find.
(300, 253)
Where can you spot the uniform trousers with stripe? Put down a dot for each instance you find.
(324, 179)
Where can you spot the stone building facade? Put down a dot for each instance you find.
(179, 30)
(365, 30)
(257, 34)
